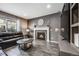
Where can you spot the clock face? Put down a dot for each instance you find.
(40, 22)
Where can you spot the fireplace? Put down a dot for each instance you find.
(41, 34)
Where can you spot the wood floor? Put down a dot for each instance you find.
(41, 48)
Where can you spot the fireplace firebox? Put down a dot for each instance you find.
(41, 35)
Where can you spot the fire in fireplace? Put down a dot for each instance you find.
(41, 35)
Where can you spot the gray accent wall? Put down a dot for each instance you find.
(53, 21)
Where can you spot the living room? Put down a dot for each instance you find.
(38, 29)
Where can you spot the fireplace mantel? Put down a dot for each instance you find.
(42, 28)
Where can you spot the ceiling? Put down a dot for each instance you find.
(31, 10)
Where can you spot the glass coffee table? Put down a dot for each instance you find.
(25, 43)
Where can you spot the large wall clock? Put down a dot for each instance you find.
(40, 22)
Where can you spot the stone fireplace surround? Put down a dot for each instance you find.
(41, 29)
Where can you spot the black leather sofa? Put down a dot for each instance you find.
(9, 39)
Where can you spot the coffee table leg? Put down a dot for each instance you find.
(24, 46)
(19, 46)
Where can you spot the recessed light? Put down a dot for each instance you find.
(48, 6)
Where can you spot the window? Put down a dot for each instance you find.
(11, 26)
(7, 26)
(2, 25)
